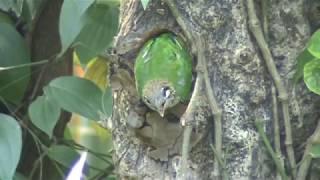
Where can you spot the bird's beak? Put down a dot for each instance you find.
(161, 112)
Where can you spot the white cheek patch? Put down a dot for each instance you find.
(167, 93)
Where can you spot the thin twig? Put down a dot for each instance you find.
(276, 129)
(24, 103)
(103, 174)
(36, 140)
(37, 84)
(15, 81)
(188, 128)
(202, 75)
(98, 155)
(175, 12)
(264, 7)
(53, 58)
(39, 146)
(215, 109)
(185, 152)
(222, 163)
(266, 142)
(23, 65)
(58, 168)
(35, 166)
(306, 159)
(255, 28)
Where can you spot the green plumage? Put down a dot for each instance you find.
(164, 59)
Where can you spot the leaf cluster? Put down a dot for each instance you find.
(308, 68)
(88, 27)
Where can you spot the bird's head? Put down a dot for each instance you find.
(159, 96)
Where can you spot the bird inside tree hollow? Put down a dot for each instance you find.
(159, 95)
(163, 72)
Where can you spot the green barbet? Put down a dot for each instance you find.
(163, 72)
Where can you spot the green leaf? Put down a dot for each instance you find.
(314, 44)
(63, 155)
(30, 9)
(302, 59)
(77, 95)
(10, 146)
(84, 54)
(19, 176)
(111, 3)
(13, 5)
(72, 20)
(44, 113)
(13, 51)
(97, 71)
(311, 75)
(315, 151)
(98, 33)
(145, 3)
(5, 18)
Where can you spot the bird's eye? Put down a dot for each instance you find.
(147, 100)
(166, 91)
(162, 105)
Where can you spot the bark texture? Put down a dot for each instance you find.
(240, 81)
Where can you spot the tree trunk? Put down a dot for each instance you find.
(241, 84)
(44, 43)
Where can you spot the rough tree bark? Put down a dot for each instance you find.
(239, 78)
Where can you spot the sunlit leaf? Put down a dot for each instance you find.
(144, 3)
(315, 151)
(101, 26)
(10, 146)
(77, 95)
(311, 75)
(314, 44)
(14, 51)
(97, 71)
(44, 113)
(302, 59)
(72, 21)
